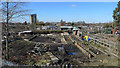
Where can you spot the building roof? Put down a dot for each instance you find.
(66, 27)
(75, 28)
(25, 32)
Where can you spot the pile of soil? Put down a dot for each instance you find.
(43, 39)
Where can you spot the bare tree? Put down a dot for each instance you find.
(11, 10)
(14, 9)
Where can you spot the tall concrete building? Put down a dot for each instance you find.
(33, 18)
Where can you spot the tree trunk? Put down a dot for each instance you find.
(7, 55)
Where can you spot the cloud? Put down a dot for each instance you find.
(74, 5)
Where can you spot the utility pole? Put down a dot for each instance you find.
(7, 56)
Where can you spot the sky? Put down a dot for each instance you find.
(90, 12)
(61, 0)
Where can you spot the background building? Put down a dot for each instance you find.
(66, 27)
(33, 18)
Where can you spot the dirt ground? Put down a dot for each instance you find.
(18, 50)
(109, 37)
(47, 39)
(18, 53)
